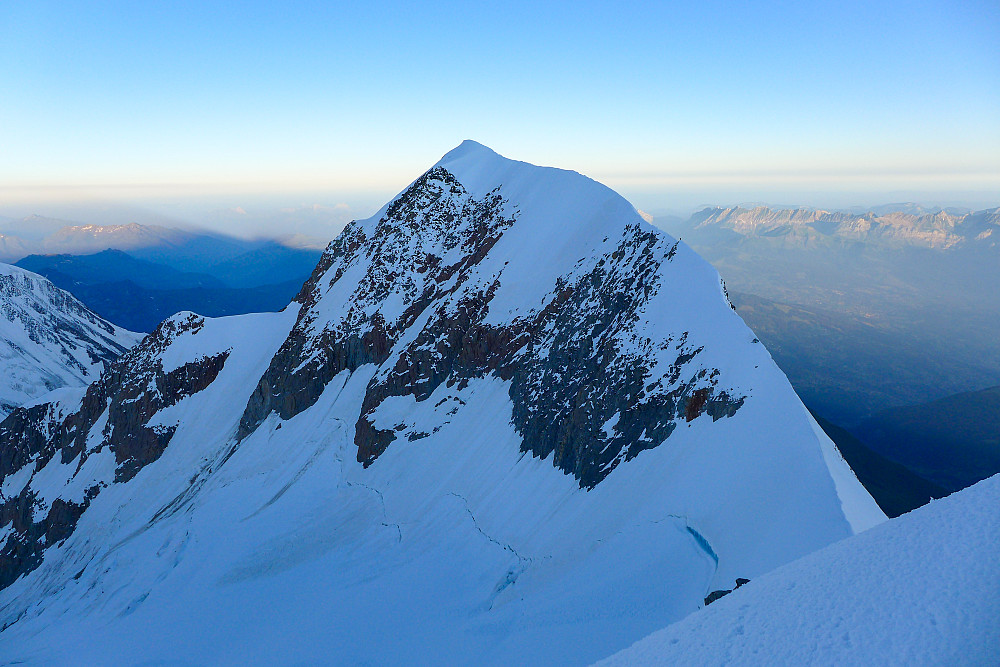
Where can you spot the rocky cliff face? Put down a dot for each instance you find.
(501, 407)
(50, 449)
(573, 363)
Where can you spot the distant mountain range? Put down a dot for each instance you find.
(889, 228)
(137, 275)
(911, 208)
(111, 266)
(139, 294)
(188, 250)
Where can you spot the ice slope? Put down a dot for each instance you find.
(264, 531)
(922, 589)
(48, 339)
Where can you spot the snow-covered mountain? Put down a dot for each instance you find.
(504, 418)
(48, 339)
(85, 239)
(39, 235)
(922, 589)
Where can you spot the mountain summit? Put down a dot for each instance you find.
(505, 417)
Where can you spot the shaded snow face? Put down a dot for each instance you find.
(412, 291)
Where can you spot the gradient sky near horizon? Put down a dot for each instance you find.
(191, 98)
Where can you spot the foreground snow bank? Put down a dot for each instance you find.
(923, 589)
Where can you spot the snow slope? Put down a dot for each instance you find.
(922, 589)
(48, 339)
(505, 418)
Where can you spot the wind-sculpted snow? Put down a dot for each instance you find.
(504, 418)
(48, 339)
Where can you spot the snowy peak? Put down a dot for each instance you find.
(469, 148)
(504, 413)
(435, 290)
(48, 339)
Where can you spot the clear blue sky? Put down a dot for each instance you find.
(296, 96)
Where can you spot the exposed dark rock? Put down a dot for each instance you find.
(715, 595)
(130, 392)
(434, 216)
(568, 375)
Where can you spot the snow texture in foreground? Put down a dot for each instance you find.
(922, 589)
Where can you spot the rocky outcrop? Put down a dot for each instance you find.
(420, 250)
(581, 379)
(715, 595)
(115, 414)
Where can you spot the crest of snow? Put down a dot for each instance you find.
(921, 589)
(859, 507)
